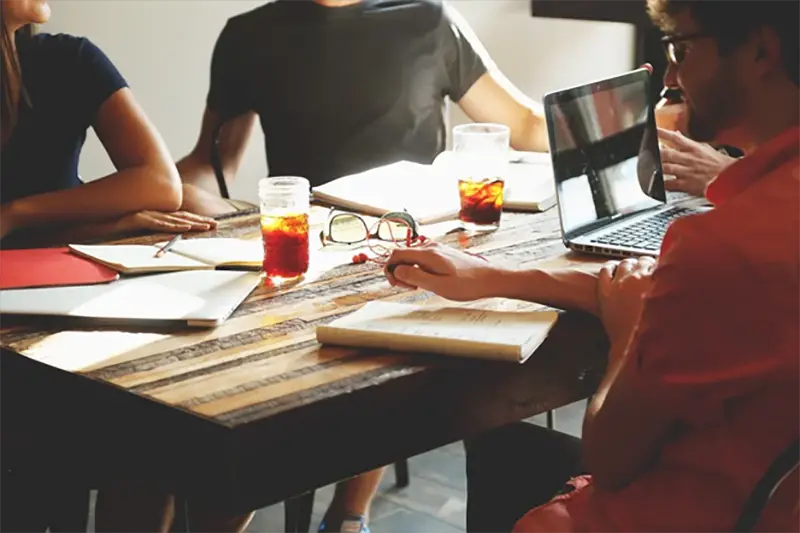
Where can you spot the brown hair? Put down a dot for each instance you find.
(730, 22)
(11, 88)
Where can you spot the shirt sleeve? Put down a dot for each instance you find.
(98, 76)
(701, 340)
(466, 58)
(227, 93)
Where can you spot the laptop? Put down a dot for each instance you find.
(607, 167)
(193, 298)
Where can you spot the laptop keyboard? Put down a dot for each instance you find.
(646, 234)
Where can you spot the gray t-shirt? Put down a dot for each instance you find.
(340, 90)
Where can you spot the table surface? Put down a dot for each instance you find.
(225, 413)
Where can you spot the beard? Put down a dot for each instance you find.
(699, 128)
(714, 108)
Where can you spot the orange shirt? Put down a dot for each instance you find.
(720, 337)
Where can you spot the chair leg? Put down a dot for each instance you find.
(401, 473)
(297, 513)
(551, 419)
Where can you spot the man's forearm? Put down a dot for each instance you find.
(601, 438)
(616, 360)
(198, 172)
(565, 288)
(532, 134)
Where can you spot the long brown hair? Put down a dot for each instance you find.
(11, 88)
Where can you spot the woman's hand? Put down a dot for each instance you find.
(158, 222)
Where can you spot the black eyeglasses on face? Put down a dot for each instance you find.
(675, 45)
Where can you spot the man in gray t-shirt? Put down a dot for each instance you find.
(341, 86)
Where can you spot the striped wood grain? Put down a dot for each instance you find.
(264, 359)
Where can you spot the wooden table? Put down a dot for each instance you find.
(255, 411)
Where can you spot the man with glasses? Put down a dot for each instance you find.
(691, 164)
(700, 393)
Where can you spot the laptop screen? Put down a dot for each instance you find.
(604, 147)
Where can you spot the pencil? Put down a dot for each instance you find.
(166, 248)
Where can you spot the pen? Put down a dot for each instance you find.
(166, 248)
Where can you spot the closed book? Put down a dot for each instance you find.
(447, 330)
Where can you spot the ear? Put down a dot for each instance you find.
(766, 52)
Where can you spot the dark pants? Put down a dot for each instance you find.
(32, 501)
(513, 469)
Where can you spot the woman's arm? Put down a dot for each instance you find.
(146, 178)
(135, 223)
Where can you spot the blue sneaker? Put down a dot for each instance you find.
(351, 524)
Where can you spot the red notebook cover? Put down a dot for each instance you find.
(49, 267)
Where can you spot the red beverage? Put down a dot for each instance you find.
(481, 201)
(286, 245)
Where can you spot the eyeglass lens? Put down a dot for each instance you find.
(347, 229)
(676, 52)
(393, 230)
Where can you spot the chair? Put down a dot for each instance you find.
(777, 473)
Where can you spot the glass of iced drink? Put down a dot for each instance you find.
(284, 225)
(481, 158)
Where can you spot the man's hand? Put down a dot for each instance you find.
(621, 290)
(443, 270)
(156, 221)
(693, 164)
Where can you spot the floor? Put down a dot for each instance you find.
(434, 502)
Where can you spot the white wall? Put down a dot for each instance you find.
(163, 48)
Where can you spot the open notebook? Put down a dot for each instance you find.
(430, 192)
(448, 330)
(187, 254)
(404, 185)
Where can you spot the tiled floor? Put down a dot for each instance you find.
(435, 501)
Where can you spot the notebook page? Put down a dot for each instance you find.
(420, 189)
(449, 322)
(136, 257)
(222, 250)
